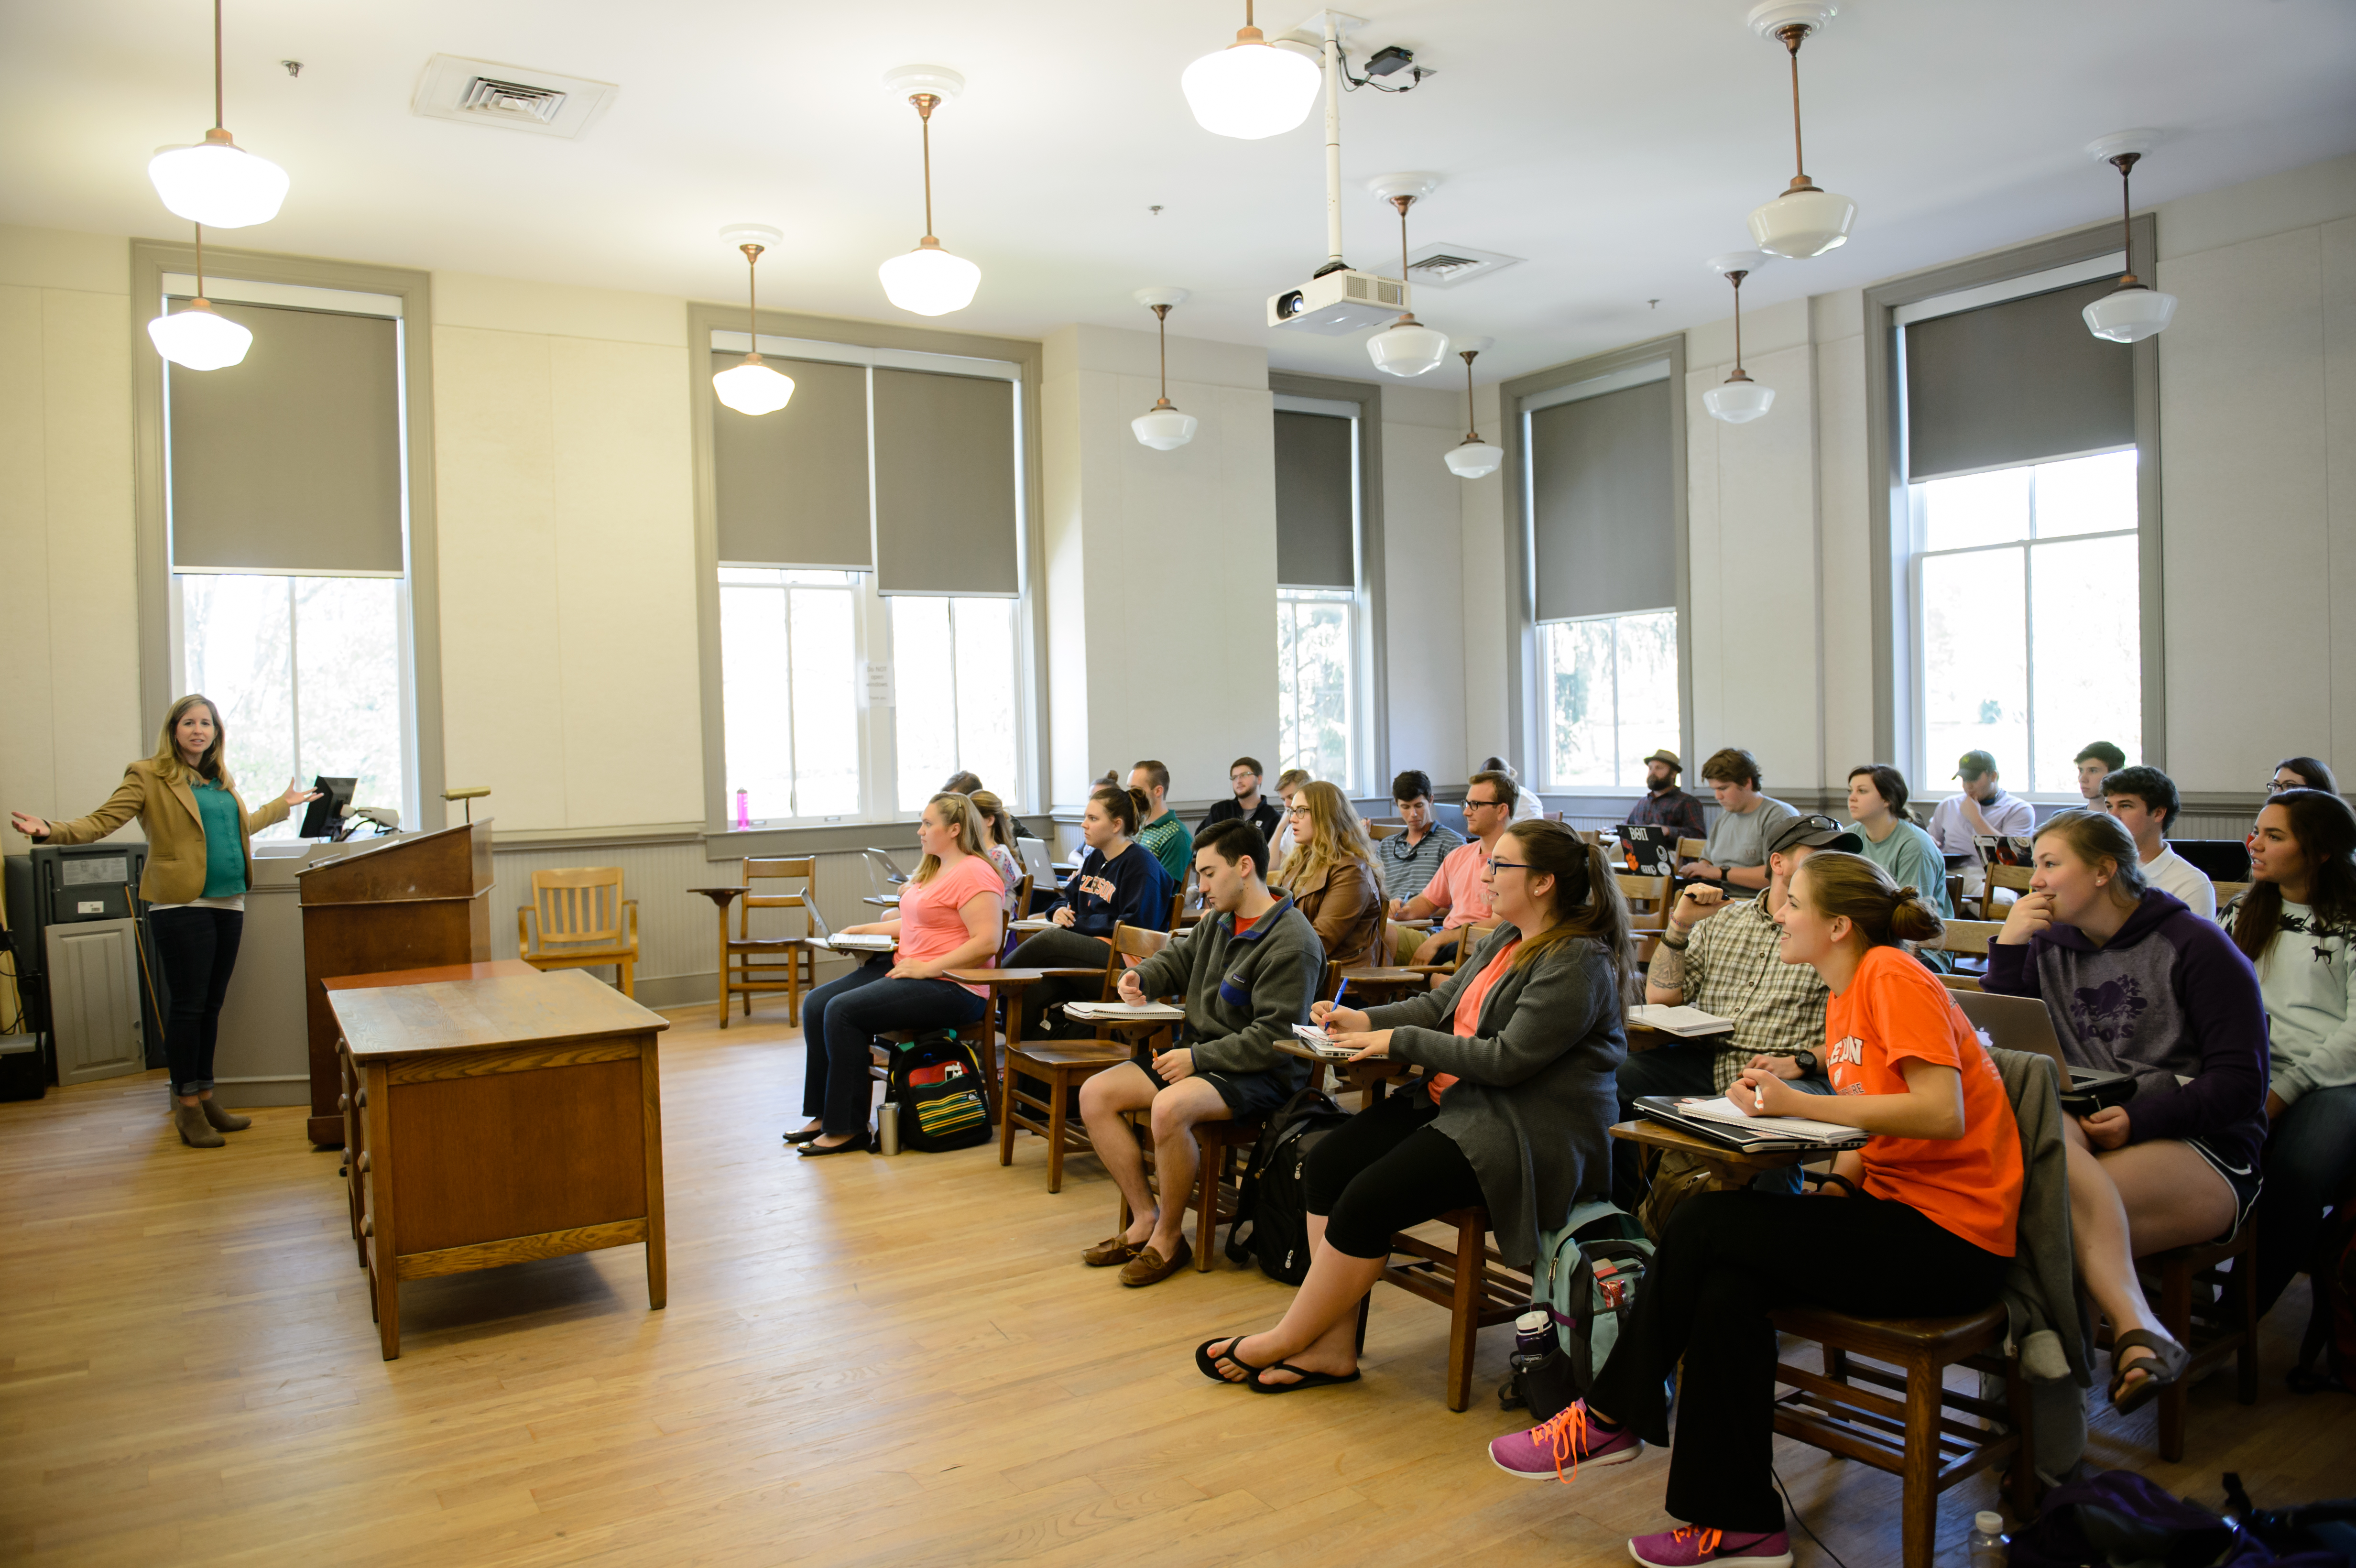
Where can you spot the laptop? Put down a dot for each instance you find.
(823, 934)
(2022, 1024)
(2219, 860)
(2011, 850)
(1037, 861)
(1653, 850)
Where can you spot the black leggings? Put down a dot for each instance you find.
(1728, 1259)
(196, 950)
(1058, 948)
(1382, 1170)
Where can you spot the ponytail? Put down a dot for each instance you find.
(1842, 886)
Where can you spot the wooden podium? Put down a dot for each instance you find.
(413, 903)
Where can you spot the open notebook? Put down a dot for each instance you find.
(1719, 1121)
(1688, 1023)
(1123, 1012)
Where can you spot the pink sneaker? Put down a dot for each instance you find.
(1541, 1451)
(1690, 1546)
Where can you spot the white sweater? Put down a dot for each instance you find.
(2308, 977)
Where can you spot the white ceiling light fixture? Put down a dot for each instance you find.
(1251, 89)
(1741, 399)
(198, 338)
(1162, 427)
(216, 181)
(750, 387)
(1473, 458)
(2134, 310)
(927, 280)
(1803, 221)
(1406, 347)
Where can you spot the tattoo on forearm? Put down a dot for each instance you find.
(1668, 970)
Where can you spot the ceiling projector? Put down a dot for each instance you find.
(1336, 304)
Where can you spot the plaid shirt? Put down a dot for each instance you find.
(1729, 967)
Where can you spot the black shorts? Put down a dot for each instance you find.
(1246, 1094)
(2247, 1181)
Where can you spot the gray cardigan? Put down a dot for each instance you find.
(1548, 1044)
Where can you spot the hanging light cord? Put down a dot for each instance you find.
(1407, 302)
(1738, 276)
(752, 308)
(925, 103)
(2127, 163)
(217, 65)
(1161, 326)
(201, 261)
(1792, 35)
(1472, 421)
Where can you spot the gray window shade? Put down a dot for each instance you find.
(1601, 504)
(946, 510)
(1316, 539)
(290, 461)
(2013, 383)
(790, 487)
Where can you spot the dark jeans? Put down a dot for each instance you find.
(2311, 1164)
(197, 949)
(1382, 1170)
(840, 1020)
(1728, 1259)
(1682, 1070)
(1059, 949)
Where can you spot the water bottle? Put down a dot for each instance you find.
(1533, 1337)
(887, 1128)
(1988, 1548)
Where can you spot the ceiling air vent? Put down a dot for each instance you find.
(1445, 266)
(486, 92)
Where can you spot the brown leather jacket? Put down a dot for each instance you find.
(1346, 905)
(176, 832)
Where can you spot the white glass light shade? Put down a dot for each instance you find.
(1165, 430)
(1739, 402)
(1474, 459)
(752, 388)
(1250, 90)
(196, 338)
(1803, 223)
(218, 184)
(1408, 350)
(2130, 315)
(929, 281)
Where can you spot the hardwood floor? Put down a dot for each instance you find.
(864, 1360)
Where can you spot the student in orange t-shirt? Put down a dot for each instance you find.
(1928, 1228)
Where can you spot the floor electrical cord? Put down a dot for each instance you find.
(1800, 1520)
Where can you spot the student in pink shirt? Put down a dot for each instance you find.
(1460, 887)
(950, 918)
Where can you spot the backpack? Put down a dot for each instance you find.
(1585, 1280)
(936, 1080)
(2332, 1327)
(1271, 1221)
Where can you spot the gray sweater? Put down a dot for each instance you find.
(1548, 1043)
(1243, 992)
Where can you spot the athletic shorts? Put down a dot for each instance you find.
(2247, 1181)
(1246, 1094)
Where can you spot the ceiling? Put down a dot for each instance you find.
(1613, 145)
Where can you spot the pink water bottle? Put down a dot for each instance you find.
(744, 817)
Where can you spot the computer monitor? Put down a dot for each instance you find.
(325, 816)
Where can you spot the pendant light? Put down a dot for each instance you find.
(1251, 89)
(2134, 310)
(928, 280)
(1803, 221)
(198, 338)
(1162, 427)
(1473, 458)
(1741, 399)
(1406, 347)
(750, 387)
(216, 181)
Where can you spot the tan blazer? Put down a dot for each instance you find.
(176, 832)
(1346, 905)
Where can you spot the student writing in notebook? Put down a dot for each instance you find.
(1928, 1228)
(1118, 883)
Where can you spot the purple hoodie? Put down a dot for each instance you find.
(2169, 996)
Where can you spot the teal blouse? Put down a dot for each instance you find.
(1913, 860)
(224, 841)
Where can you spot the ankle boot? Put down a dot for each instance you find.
(223, 1120)
(194, 1130)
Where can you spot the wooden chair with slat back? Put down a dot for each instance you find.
(2013, 879)
(980, 1036)
(1967, 939)
(578, 919)
(1648, 900)
(2228, 891)
(1692, 848)
(1378, 831)
(1041, 1078)
(749, 964)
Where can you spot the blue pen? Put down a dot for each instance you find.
(1337, 1001)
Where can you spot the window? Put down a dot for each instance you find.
(1608, 696)
(956, 672)
(789, 661)
(1316, 635)
(2028, 594)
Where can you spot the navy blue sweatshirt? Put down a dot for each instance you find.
(1131, 890)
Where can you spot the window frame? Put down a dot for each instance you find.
(2005, 274)
(282, 280)
(882, 345)
(1354, 683)
(1543, 758)
(1362, 404)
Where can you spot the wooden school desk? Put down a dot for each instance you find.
(495, 1118)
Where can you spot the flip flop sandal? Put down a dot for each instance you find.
(2163, 1367)
(1209, 1364)
(1307, 1379)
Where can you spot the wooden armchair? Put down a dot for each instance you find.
(749, 963)
(1058, 1067)
(578, 919)
(1650, 893)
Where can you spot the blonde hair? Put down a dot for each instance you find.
(1851, 887)
(961, 812)
(1000, 827)
(1336, 834)
(1290, 780)
(166, 761)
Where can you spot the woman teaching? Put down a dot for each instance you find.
(200, 863)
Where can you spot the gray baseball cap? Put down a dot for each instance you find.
(1815, 833)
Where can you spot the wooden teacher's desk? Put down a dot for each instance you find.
(494, 1114)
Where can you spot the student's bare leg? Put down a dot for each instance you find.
(2172, 1202)
(1177, 1111)
(1103, 1101)
(1318, 1332)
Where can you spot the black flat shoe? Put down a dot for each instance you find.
(858, 1144)
(807, 1134)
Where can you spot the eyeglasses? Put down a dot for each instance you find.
(1296, 810)
(1495, 866)
(1470, 803)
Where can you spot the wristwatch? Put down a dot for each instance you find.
(1807, 1061)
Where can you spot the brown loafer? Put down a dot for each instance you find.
(1111, 1252)
(1148, 1267)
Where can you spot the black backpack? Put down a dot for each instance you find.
(948, 1110)
(1271, 1221)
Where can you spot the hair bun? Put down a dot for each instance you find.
(1907, 893)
